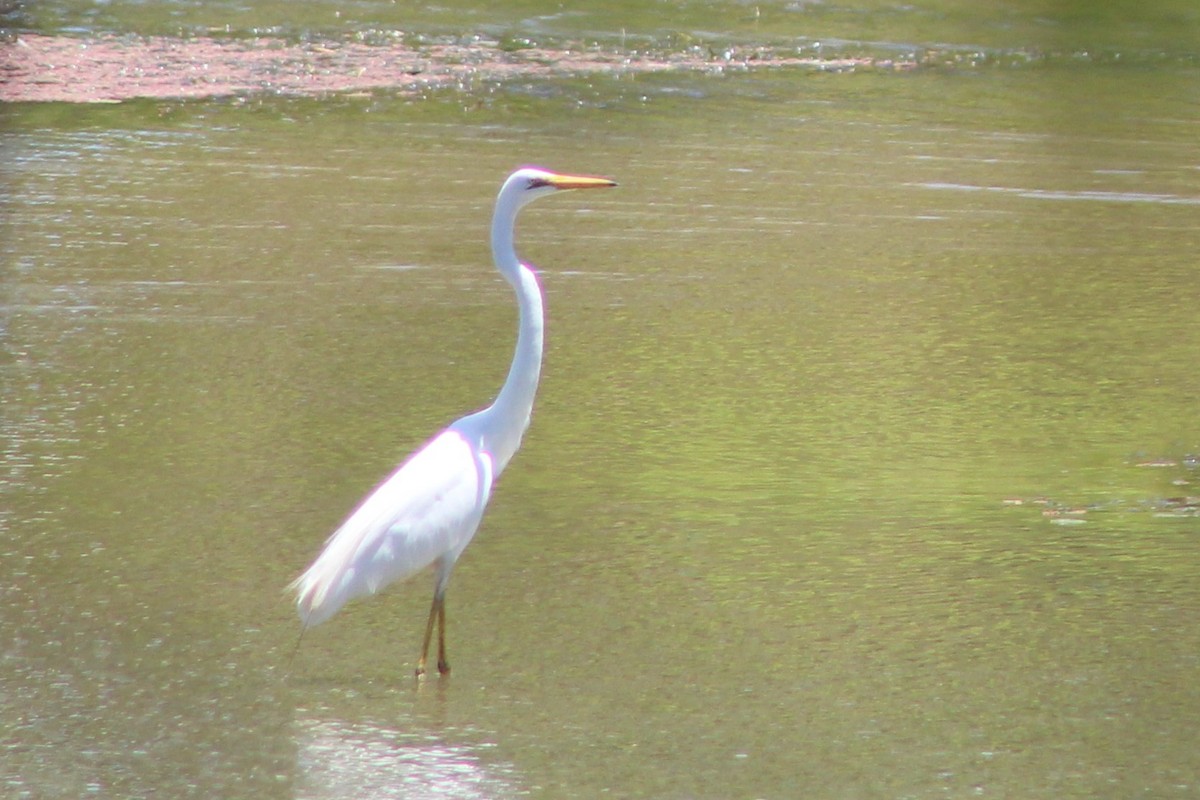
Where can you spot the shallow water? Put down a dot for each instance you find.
(860, 465)
(1125, 31)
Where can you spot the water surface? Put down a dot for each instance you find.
(859, 468)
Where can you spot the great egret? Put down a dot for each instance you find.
(430, 507)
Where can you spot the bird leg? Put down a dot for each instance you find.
(428, 635)
(443, 664)
(436, 611)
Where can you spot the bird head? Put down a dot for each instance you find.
(529, 183)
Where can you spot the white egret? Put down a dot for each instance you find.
(430, 507)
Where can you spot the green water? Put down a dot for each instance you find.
(1114, 30)
(836, 482)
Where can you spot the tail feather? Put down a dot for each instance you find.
(315, 602)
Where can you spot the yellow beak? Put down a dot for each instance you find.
(578, 182)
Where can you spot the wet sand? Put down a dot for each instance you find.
(109, 69)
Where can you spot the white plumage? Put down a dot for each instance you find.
(429, 509)
(412, 519)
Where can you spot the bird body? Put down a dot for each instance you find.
(428, 510)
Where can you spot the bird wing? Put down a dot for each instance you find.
(427, 509)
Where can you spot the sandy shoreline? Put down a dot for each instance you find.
(107, 69)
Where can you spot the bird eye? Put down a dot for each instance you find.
(537, 183)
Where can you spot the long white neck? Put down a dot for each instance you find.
(506, 419)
